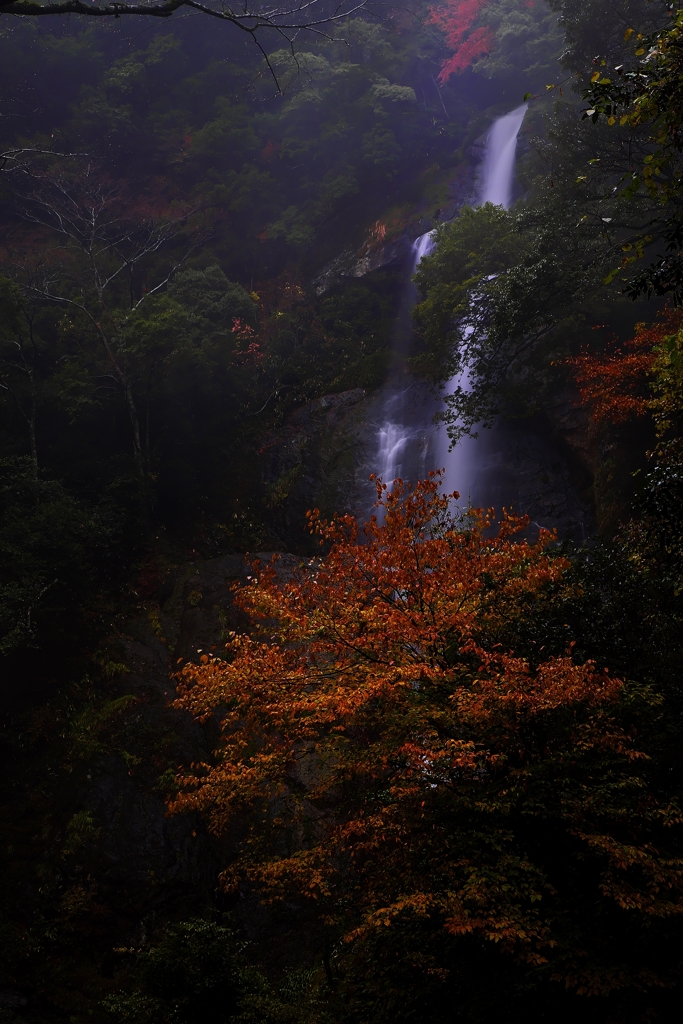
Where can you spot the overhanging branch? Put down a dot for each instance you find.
(305, 15)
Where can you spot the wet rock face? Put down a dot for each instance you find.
(387, 245)
(324, 455)
(372, 255)
(316, 461)
(531, 468)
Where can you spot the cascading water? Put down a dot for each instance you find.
(472, 464)
(408, 442)
(402, 446)
(499, 162)
(421, 247)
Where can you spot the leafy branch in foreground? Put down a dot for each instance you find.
(645, 93)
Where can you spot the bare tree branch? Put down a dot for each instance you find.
(307, 14)
(10, 159)
(287, 19)
(104, 234)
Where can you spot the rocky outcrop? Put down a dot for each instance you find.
(373, 254)
(384, 247)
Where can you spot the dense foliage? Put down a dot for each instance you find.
(409, 759)
(511, 300)
(436, 773)
(135, 369)
(199, 970)
(646, 96)
(423, 768)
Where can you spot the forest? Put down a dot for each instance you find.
(341, 512)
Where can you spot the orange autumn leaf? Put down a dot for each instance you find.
(456, 19)
(395, 757)
(615, 384)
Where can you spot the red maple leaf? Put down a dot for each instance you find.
(456, 19)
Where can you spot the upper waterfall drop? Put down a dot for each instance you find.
(422, 246)
(408, 443)
(499, 163)
(498, 172)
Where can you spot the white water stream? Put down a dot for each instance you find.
(499, 162)
(409, 444)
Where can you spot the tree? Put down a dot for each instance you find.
(198, 971)
(456, 19)
(502, 295)
(614, 384)
(509, 295)
(18, 359)
(645, 376)
(252, 18)
(196, 365)
(406, 756)
(104, 240)
(528, 43)
(56, 552)
(498, 38)
(643, 91)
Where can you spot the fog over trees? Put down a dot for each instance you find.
(274, 753)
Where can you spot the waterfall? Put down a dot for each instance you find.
(499, 162)
(399, 440)
(422, 246)
(407, 442)
(469, 464)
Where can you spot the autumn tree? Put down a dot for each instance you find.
(407, 756)
(469, 41)
(498, 38)
(615, 383)
(644, 377)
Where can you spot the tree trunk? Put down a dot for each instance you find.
(135, 424)
(138, 454)
(31, 419)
